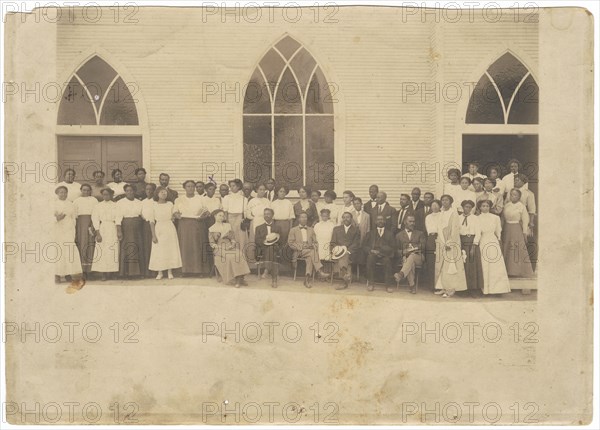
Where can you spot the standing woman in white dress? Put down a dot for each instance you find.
(495, 278)
(84, 238)
(255, 210)
(68, 261)
(451, 268)
(104, 217)
(165, 253)
(324, 233)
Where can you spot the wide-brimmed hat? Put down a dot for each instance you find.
(338, 252)
(271, 239)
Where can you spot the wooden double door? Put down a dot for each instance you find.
(86, 154)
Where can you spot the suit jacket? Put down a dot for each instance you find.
(351, 240)
(417, 240)
(388, 214)
(313, 216)
(295, 238)
(396, 219)
(368, 209)
(385, 244)
(419, 213)
(171, 195)
(264, 252)
(364, 226)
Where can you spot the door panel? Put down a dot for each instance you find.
(123, 153)
(81, 153)
(87, 154)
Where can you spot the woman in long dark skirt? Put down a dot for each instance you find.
(432, 222)
(191, 231)
(470, 234)
(130, 233)
(84, 205)
(147, 204)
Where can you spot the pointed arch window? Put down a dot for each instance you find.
(97, 95)
(506, 94)
(288, 120)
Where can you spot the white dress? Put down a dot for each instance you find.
(495, 278)
(324, 232)
(67, 260)
(165, 254)
(334, 211)
(73, 190)
(106, 253)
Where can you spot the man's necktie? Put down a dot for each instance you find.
(465, 222)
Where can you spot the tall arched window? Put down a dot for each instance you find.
(98, 124)
(288, 120)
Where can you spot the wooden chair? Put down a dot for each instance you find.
(295, 265)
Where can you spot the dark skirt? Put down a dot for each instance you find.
(85, 241)
(473, 269)
(429, 265)
(193, 241)
(147, 247)
(515, 251)
(132, 258)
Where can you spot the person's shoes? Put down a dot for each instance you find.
(445, 296)
(343, 286)
(413, 289)
(389, 289)
(439, 292)
(170, 276)
(237, 284)
(322, 275)
(159, 276)
(307, 282)
(274, 283)
(370, 287)
(265, 274)
(243, 282)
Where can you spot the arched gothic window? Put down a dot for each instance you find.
(288, 120)
(506, 94)
(97, 95)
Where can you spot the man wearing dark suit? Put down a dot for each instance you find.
(371, 205)
(346, 235)
(303, 242)
(401, 214)
(271, 193)
(379, 246)
(411, 246)
(418, 207)
(382, 208)
(268, 254)
(164, 179)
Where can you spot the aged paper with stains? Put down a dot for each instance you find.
(194, 351)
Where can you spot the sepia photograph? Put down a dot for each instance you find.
(284, 214)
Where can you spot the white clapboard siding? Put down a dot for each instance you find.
(369, 54)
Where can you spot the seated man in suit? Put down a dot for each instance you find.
(303, 242)
(269, 255)
(411, 246)
(379, 246)
(346, 235)
(401, 214)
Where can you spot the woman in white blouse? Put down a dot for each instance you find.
(255, 210)
(284, 213)
(451, 188)
(495, 278)
(334, 209)
(234, 206)
(84, 238)
(192, 231)
(514, 242)
(470, 234)
(130, 232)
(463, 193)
(68, 261)
(165, 245)
(104, 217)
(432, 221)
(147, 208)
(451, 268)
(324, 233)
(211, 201)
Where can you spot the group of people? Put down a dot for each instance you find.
(471, 239)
